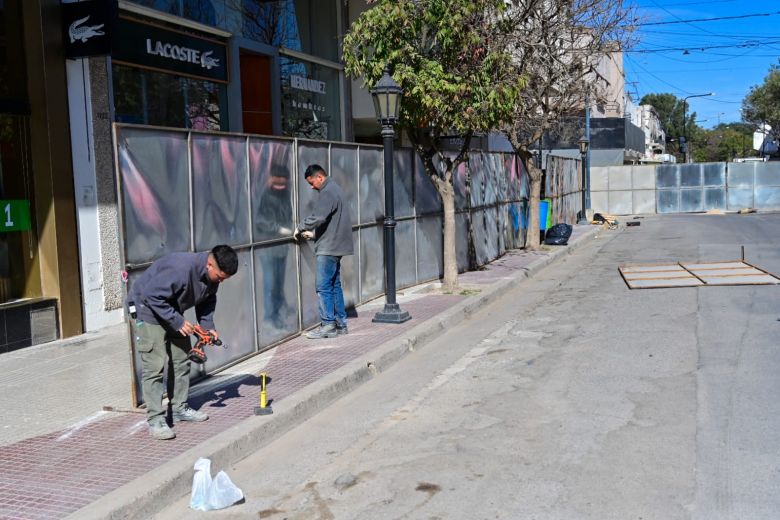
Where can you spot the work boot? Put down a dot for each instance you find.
(161, 431)
(323, 331)
(342, 329)
(187, 414)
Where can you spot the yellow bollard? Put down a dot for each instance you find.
(263, 409)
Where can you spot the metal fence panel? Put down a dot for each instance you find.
(276, 287)
(272, 188)
(372, 262)
(372, 186)
(220, 198)
(668, 201)
(344, 166)
(155, 184)
(667, 176)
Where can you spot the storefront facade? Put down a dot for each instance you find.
(39, 271)
(250, 66)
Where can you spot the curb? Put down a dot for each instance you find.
(147, 495)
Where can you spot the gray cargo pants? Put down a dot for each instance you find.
(157, 348)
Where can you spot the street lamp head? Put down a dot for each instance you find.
(584, 144)
(387, 99)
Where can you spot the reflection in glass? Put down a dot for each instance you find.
(220, 200)
(155, 98)
(277, 290)
(311, 105)
(272, 191)
(155, 186)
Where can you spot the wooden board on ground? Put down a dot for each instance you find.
(657, 276)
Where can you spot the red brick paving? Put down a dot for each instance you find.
(53, 475)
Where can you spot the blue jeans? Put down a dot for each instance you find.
(331, 296)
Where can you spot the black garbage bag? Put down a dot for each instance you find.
(558, 235)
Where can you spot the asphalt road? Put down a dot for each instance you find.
(573, 397)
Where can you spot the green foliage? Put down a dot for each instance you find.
(762, 104)
(725, 142)
(441, 52)
(671, 110)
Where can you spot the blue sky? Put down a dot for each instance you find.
(726, 57)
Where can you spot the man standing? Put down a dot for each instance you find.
(330, 224)
(158, 299)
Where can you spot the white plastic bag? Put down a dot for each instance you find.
(208, 493)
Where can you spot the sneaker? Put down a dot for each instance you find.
(161, 431)
(187, 414)
(323, 331)
(342, 330)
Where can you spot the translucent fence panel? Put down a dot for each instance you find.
(154, 180)
(430, 263)
(426, 198)
(276, 287)
(372, 265)
(403, 183)
(220, 200)
(344, 169)
(478, 179)
(372, 187)
(767, 197)
(309, 153)
(272, 189)
(234, 316)
(462, 240)
(406, 254)
(714, 198)
(309, 306)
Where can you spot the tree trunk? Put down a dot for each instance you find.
(447, 192)
(535, 190)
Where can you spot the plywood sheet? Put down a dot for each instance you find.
(656, 276)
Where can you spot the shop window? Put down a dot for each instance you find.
(311, 105)
(208, 12)
(308, 26)
(159, 99)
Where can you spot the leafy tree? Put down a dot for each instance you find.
(558, 46)
(457, 80)
(725, 142)
(762, 104)
(671, 111)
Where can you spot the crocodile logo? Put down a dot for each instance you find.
(78, 32)
(207, 62)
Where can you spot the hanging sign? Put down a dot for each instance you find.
(154, 47)
(87, 27)
(14, 215)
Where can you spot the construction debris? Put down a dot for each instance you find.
(746, 210)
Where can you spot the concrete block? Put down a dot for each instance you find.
(599, 176)
(643, 177)
(619, 178)
(599, 201)
(621, 203)
(644, 201)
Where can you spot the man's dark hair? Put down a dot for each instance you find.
(314, 169)
(226, 258)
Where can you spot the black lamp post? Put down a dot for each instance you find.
(387, 103)
(584, 144)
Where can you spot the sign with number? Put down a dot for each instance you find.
(14, 215)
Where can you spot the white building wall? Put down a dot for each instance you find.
(85, 184)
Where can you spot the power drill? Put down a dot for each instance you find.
(205, 337)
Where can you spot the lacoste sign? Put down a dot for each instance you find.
(158, 48)
(87, 27)
(185, 54)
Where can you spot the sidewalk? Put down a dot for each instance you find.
(60, 454)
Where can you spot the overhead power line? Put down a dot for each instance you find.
(646, 24)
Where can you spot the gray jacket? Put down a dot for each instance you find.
(331, 221)
(170, 286)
